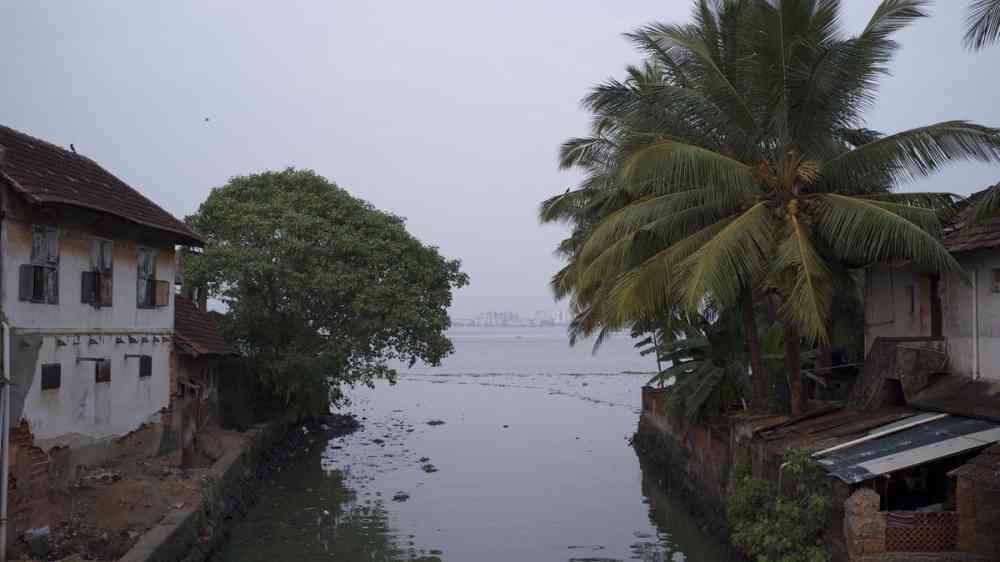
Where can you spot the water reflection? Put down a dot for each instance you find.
(527, 468)
(308, 513)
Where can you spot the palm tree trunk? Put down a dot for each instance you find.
(793, 364)
(759, 381)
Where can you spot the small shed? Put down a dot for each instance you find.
(198, 356)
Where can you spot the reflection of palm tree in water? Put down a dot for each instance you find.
(680, 538)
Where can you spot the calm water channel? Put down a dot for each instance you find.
(531, 464)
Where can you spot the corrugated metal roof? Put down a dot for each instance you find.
(936, 439)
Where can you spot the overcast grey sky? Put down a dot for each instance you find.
(447, 112)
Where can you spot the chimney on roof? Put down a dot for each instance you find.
(73, 148)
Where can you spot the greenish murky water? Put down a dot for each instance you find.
(531, 463)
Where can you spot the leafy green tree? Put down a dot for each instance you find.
(322, 288)
(759, 176)
(982, 24)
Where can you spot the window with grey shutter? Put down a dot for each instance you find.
(39, 280)
(26, 282)
(102, 266)
(89, 287)
(146, 278)
(38, 283)
(44, 245)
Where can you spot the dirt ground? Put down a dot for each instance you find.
(102, 514)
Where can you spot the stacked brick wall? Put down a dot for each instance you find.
(30, 480)
(875, 536)
(693, 460)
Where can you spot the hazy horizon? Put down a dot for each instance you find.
(447, 113)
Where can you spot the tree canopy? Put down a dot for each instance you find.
(736, 162)
(322, 289)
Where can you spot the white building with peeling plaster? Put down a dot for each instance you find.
(87, 269)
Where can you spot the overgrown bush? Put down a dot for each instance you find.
(771, 526)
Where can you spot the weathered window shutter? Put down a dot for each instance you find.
(51, 285)
(52, 244)
(106, 289)
(26, 282)
(101, 255)
(162, 293)
(51, 376)
(38, 284)
(145, 366)
(107, 256)
(89, 281)
(38, 243)
(102, 371)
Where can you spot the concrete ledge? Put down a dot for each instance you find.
(191, 533)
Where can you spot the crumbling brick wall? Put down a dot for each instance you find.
(869, 537)
(30, 482)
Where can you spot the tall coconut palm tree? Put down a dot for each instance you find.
(982, 24)
(622, 110)
(983, 30)
(767, 181)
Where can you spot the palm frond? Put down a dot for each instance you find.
(808, 290)
(983, 24)
(709, 377)
(685, 209)
(893, 15)
(862, 231)
(714, 80)
(673, 165)
(586, 152)
(987, 205)
(652, 286)
(912, 154)
(732, 260)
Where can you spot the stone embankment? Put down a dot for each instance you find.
(193, 533)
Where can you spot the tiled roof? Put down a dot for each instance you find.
(45, 173)
(961, 238)
(196, 329)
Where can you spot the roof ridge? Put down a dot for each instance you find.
(132, 204)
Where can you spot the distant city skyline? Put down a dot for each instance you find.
(540, 317)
